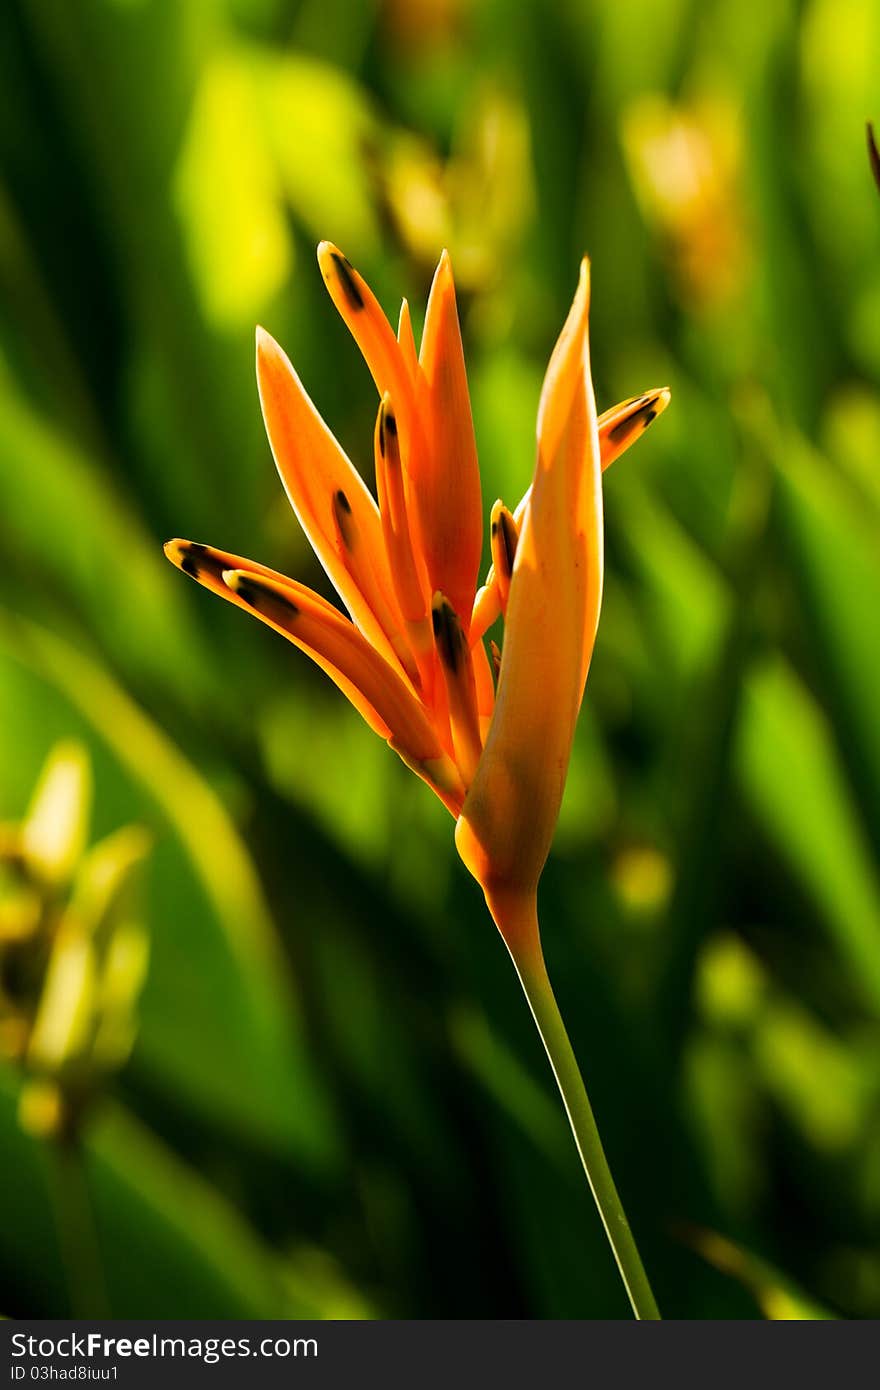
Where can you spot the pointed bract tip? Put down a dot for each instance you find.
(659, 398)
(444, 266)
(447, 631)
(653, 403)
(244, 585)
(405, 335)
(443, 280)
(191, 557)
(584, 279)
(267, 347)
(340, 275)
(174, 550)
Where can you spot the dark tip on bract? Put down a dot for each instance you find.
(342, 517)
(345, 273)
(621, 429)
(509, 537)
(387, 430)
(195, 560)
(447, 632)
(642, 412)
(264, 600)
(245, 592)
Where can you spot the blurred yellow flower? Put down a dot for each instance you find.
(477, 201)
(73, 949)
(685, 164)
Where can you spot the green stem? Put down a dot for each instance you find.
(519, 928)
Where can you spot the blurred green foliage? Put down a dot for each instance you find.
(335, 1104)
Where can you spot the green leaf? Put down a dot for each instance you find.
(779, 1297)
(791, 775)
(232, 1042)
(169, 1244)
(68, 526)
(832, 540)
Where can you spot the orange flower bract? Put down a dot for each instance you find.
(410, 655)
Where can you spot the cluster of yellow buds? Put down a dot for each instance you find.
(73, 947)
(686, 164)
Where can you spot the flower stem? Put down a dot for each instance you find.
(525, 948)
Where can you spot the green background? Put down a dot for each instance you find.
(337, 1105)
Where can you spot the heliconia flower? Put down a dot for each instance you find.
(410, 655)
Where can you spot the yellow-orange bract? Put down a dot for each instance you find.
(411, 656)
(508, 818)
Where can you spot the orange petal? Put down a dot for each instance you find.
(375, 337)
(505, 535)
(360, 562)
(407, 340)
(618, 428)
(491, 600)
(487, 607)
(316, 474)
(508, 819)
(458, 674)
(207, 565)
(408, 582)
(484, 685)
(395, 521)
(447, 486)
(373, 687)
(623, 424)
